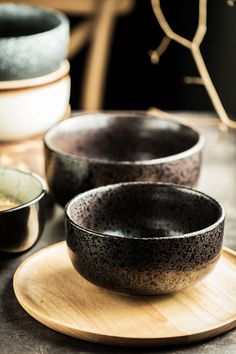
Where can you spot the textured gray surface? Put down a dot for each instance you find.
(35, 45)
(114, 141)
(20, 334)
(139, 263)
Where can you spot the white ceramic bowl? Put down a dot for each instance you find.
(30, 107)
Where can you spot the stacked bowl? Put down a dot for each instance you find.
(34, 95)
(34, 73)
(133, 222)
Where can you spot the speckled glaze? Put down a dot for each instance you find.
(22, 226)
(144, 238)
(92, 150)
(33, 41)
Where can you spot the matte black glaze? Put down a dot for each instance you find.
(21, 227)
(92, 150)
(144, 238)
(33, 41)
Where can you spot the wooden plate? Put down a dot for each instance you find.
(50, 290)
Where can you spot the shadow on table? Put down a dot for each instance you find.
(53, 233)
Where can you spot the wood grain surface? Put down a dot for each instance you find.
(51, 291)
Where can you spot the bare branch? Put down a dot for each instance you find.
(157, 53)
(202, 27)
(210, 88)
(194, 47)
(191, 80)
(194, 119)
(166, 27)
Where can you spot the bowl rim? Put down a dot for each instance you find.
(197, 233)
(131, 114)
(33, 175)
(52, 77)
(63, 20)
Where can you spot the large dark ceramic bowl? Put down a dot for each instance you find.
(33, 41)
(92, 150)
(21, 226)
(144, 238)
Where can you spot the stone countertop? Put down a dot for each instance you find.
(21, 334)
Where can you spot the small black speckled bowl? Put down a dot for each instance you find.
(33, 41)
(144, 238)
(21, 226)
(97, 149)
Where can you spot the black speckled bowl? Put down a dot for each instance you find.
(21, 226)
(144, 238)
(93, 150)
(33, 41)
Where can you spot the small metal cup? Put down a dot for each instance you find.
(21, 226)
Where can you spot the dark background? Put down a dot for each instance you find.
(133, 82)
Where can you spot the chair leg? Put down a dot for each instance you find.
(78, 37)
(95, 71)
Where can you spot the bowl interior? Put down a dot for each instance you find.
(21, 20)
(19, 185)
(144, 210)
(121, 137)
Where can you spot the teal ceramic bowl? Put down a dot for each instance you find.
(33, 41)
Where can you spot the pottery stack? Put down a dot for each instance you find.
(34, 78)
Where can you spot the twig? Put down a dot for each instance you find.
(157, 53)
(166, 27)
(194, 47)
(202, 26)
(189, 80)
(195, 120)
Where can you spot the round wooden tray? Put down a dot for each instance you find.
(50, 290)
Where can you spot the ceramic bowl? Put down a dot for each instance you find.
(144, 238)
(92, 150)
(30, 107)
(33, 41)
(21, 226)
